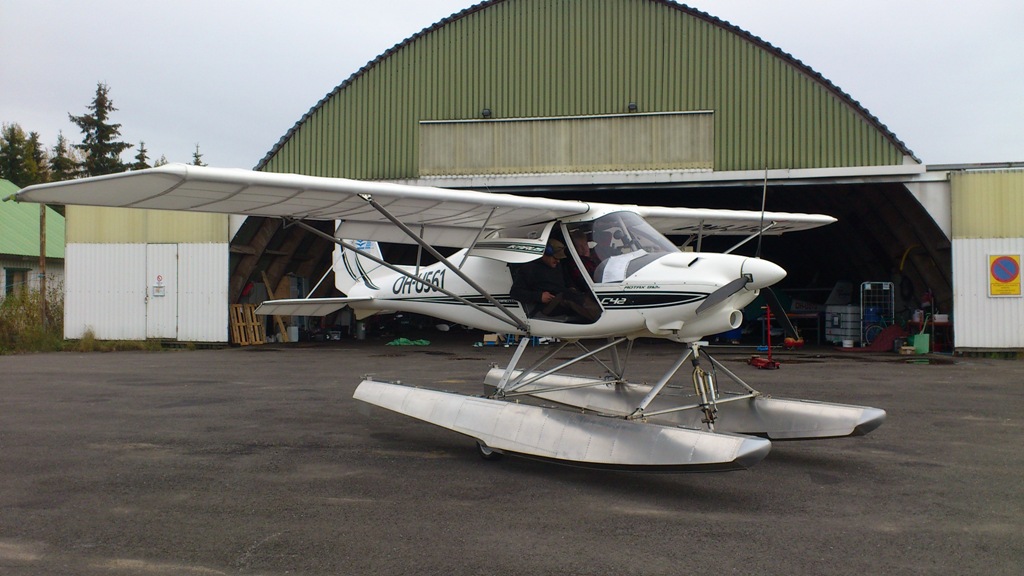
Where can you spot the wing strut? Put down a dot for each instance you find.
(757, 234)
(477, 239)
(430, 250)
(515, 321)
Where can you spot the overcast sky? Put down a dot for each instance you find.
(233, 76)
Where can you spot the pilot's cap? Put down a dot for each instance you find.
(555, 248)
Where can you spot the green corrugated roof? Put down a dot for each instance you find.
(19, 227)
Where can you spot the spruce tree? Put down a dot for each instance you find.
(63, 166)
(15, 156)
(197, 158)
(100, 145)
(39, 159)
(142, 158)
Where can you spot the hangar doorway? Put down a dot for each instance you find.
(882, 234)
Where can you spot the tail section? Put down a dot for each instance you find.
(352, 268)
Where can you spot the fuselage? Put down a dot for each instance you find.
(658, 300)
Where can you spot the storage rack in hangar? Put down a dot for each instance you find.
(877, 309)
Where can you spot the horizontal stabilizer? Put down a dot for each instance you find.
(569, 437)
(305, 306)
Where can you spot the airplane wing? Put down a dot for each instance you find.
(682, 221)
(447, 217)
(440, 216)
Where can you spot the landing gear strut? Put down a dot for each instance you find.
(706, 389)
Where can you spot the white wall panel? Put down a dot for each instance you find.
(983, 321)
(105, 291)
(203, 292)
(109, 289)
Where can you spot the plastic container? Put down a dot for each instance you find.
(872, 315)
(922, 343)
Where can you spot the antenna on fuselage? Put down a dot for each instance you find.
(793, 336)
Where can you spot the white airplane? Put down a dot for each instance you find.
(640, 285)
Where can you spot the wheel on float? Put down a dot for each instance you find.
(488, 453)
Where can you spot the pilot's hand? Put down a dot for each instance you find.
(547, 297)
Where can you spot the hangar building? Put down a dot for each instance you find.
(649, 102)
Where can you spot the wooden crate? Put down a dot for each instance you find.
(246, 327)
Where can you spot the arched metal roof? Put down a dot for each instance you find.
(546, 58)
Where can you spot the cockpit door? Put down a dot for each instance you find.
(515, 245)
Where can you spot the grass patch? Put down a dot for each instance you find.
(89, 343)
(25, 327)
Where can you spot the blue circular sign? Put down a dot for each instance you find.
(1005, 269)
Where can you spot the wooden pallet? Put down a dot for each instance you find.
(246, 327)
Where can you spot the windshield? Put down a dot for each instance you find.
(622, 243)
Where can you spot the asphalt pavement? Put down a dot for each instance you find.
(257, 460)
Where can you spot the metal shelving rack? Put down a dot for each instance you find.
(877, 309)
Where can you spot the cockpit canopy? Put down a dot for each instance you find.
(622, 243)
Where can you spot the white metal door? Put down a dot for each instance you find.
(105, 291)
(162, 291)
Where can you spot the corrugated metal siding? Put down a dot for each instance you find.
(54, 272)
(89, 224)
(552, 58)
(203, 292)
(988, 220)
(575, 144)
(988, 204)
(983, 321)
(108, 289)
(105, 291)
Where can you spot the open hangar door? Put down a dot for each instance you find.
(882, 234)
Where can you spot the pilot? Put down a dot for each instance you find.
(579, 241)
(540, 286)
(603, 244)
